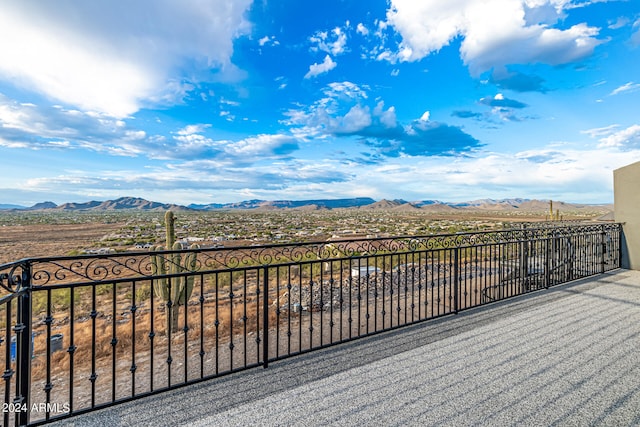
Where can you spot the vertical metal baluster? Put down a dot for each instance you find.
(350, 279)
(431, 284)
(185, 329)
(278, 311)
(548, 263)
(169, 332)
(48, 385)
(379, 277)
(72, 347)
(331, 305)
(310, 305)
(216, 324)
(341, 284)
(413, 286)
(201, 300)
(152, 334)
(422, 270)
(289, 307)
(244, 317)
(133, 338)
(94, 375)
(231, 321)
(456, 279)
(391, 293)
(114, 341)
(321, 304)
(359, 296)
(8, 372)
(24, 330)
(367, 281)
(406, 290)
(383, 298)
(265, 314)
(300, 312)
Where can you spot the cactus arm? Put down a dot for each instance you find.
(158, 268)
(188, 281)
(169, 222)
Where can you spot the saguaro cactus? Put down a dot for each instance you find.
(174, 291)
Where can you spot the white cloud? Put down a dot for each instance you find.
(495, 32)
(317, 69)
(625, 139)
(191, 129)
(271, 40)
(116, 57)
(346, 90)
(356, 119)
(622, 21)
(387, 118)
(361, 29)
(25, 125)
(574, 175)
(600, 132)
(425, 116)
(333, 43)
(627, 87)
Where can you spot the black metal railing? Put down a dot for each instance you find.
(82, 333)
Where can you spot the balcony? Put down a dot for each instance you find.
(109, 330)
(566, 356)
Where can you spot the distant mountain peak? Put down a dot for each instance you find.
(137, 203)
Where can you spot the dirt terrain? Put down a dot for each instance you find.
(21, 241)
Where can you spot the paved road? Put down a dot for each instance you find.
(568, 356)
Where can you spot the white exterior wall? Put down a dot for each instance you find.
(626, 188)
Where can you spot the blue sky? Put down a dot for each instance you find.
(202, 101)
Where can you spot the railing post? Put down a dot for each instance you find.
(547, 266)
(603, 250)
(265, 319)
(23, 348)
(456, 280)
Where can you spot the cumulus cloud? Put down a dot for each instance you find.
(387, 118)
(344, 112)
(316, 69)
(495, 33)
(625, 139)
(28, 126)
(116, 57)
(35, 127)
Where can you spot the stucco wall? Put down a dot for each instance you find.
(626, 190)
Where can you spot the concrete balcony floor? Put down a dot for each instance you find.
(569, 356)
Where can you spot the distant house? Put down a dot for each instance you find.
(365, 271)
(143, 245)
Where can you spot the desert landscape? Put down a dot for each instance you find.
(72, 229)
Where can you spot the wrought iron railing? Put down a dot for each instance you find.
(82, 333)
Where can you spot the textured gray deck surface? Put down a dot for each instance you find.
(567, 356)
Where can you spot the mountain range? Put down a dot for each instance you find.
(365, 203)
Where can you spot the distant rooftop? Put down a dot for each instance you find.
(565, 356)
